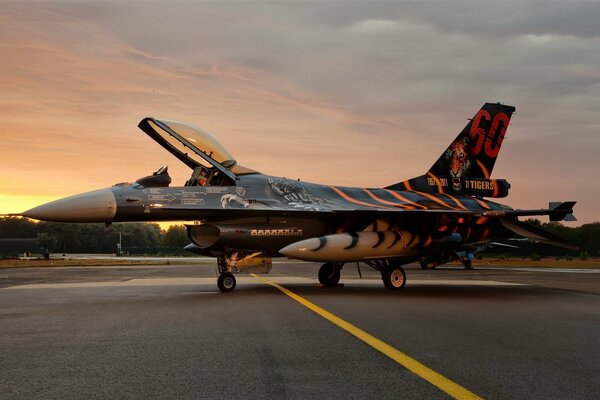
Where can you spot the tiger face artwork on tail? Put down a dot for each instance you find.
(458, 161)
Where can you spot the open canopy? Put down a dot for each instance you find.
(193, 146)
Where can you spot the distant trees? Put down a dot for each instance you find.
(586, 236)
(175, 236)
(46, 242)
(13, 227)
(91, 238)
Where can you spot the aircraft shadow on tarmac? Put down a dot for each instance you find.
(424, 291)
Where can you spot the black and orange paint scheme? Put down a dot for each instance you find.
(244, 218)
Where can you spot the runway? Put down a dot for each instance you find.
(167, 332)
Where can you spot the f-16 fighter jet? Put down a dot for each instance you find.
(243, 218)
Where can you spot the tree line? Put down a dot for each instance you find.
(58, 237)
(586, 236)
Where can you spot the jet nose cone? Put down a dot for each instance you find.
(97, 206)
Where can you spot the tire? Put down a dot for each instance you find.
(325, 270)
(226, 282)
(394, 278)
(329, 275)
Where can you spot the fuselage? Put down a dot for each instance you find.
(267, 213)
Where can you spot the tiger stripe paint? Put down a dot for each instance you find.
(482, 203)
(354, 241)
(389, 203)
(436, 200)
(496, 190)
(428, 241)
(380, 239)
(322, 243)
(484, 170)
(351, 200)
(456, 201)
(402, 198)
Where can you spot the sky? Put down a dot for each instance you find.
(344, 93)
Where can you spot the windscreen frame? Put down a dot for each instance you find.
(146, 126)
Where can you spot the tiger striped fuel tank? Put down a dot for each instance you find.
(359, 246)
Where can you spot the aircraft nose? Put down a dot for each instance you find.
(97, 206)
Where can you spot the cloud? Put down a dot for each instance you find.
(373, 26)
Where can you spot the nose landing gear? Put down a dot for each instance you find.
(226, 282)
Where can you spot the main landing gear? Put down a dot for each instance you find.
(329, 274)
(394, 278)
(392, 274)
(465, 258)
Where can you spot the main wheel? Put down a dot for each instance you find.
(226, 282)
(468, 264)
(394, 278)
(329, 275)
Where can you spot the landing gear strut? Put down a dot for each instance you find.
(226, 281)
(329, 274)
(466, 259)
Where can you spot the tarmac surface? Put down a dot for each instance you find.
(167, 332)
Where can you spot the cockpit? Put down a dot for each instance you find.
(211, 163)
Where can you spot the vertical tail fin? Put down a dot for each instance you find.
(474, 151)
(466, 165)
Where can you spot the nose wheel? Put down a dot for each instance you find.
(226, 282)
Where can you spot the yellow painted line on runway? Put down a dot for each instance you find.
(437, 380)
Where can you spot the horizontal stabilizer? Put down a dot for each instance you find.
(500, 244)
(562, 211)
(536, 234)
(556, 212)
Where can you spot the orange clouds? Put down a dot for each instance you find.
(72, 105)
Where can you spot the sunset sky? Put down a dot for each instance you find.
(346, 93)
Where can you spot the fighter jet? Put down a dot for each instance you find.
(244, 218)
